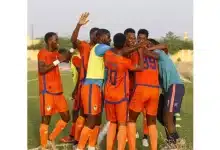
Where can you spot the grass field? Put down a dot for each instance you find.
(185, 131)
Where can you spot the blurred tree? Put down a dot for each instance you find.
(175, 43)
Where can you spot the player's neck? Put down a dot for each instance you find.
(91, 43)
(116, 51)
(49, 48)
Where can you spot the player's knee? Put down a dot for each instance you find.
(113, 122)
(133, 116)
(122, 123)
(45, 120)
(65, 116)
(151, 120)
(75, 115)
(91, 121)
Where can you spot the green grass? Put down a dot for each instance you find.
(185, 131)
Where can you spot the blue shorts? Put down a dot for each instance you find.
(171, 101)
(173, 98)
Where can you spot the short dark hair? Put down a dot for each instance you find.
(101, 32)
(48, 35)
(62, 50)
(93, 30)
(153, 41)
(143, 31)
(119, 40)
(129, 30)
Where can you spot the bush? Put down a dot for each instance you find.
(175, 43)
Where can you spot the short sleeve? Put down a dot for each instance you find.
(41, 56)
(101, 49)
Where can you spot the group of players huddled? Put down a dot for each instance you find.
(133, 76)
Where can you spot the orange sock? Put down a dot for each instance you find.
(94, 136)
(56, 131)
(43, 135)
(145, 127)
(111, 136)
(153, 136)
(85, 134)
(79, 126)
(122, 135)
(72, 129)
(131, 129)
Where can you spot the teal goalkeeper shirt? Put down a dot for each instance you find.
(168, 74)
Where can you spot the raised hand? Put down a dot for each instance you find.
(84, 18)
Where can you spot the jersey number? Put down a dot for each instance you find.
(113, 76)
(150, 63)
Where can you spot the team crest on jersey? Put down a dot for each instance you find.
(48, 108)
(95, 108)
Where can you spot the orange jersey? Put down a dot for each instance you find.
(84, 49)
(150, 75)
(76, 61)
(117, 84)
(51, 81)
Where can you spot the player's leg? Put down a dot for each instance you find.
(173, 102)
(121, 114)
(75, 114)
(111, 133)
(45, 121)
(98, 103)
(70, 137)
(151, 114)
(79, 126)
(135, 107)
(92, 108)
(46, 105)
(145, 128)
(95, 133)
(61, 107)
(131, 129)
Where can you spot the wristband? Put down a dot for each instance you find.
(72, 50)
(56, 62)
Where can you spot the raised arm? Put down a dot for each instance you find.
(126, 51)
(82, 21)
(159, 46)
(151, 54)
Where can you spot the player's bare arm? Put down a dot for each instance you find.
(126, 50)
(44, 68)
(82, 21)
(159, 46)
(151, 54)
(140, 65)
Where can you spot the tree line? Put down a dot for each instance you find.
(174, 42)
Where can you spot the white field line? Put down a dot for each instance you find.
(57, 145)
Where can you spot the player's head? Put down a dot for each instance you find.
(92, 34)
(119, 40)
(130, 37)
(66, 53)
(142, 35)
(103, 36)
(153, 42)
(51, 39)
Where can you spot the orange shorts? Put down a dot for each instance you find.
(91, 97)
(145, 98)
(52, 104)
(117, 112)
(77, 104)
